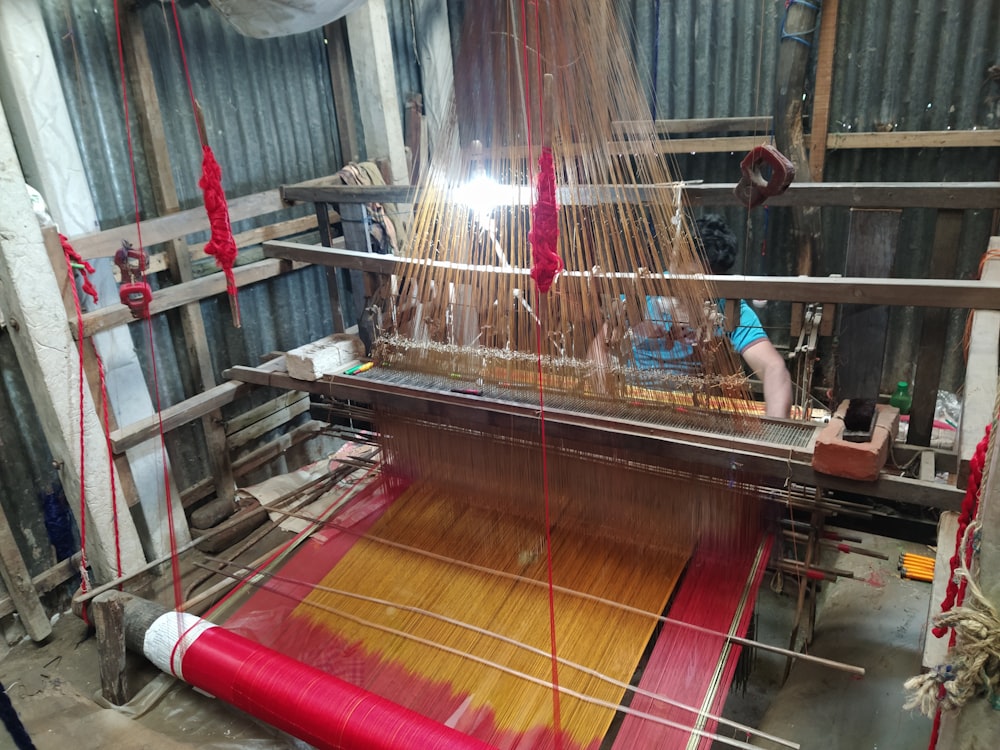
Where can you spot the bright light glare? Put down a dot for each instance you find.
(483, 195)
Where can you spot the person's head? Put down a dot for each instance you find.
(717, 243)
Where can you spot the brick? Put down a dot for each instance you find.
(862, 461)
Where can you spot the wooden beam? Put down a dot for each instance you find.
(986, 138)
(835, 289)
(19, 586)
(375, 75)
(274, 420)
(848, 194)
(181, 413)
(36, 320)
(933, 331)
(863, 329)
(981, 369)
(343, 98)
(44, 582)
(108, 613)
(823, 87)
(763, 124)
(104, 244)
(183, 294)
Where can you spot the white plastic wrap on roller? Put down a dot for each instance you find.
(267, 18)
(161, 642)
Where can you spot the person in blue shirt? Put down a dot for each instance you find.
(660, 343)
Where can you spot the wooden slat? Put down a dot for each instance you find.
(263, 426)
(340, 79)
(848, 194)
(820, 122)
(44, 582)
(182, 294)
(19, 585)
(936, 649)
(263, 411)
(761, 124)
(164, 228)
(184, 412)
(839, 290)
(923, 139)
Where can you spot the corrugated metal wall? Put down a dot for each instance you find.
(915, 64)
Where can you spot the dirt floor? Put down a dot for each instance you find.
(876, 621)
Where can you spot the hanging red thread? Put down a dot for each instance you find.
(544, 234)
(74, 261)
(221, 246)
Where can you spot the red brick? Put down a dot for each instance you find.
(863, 461)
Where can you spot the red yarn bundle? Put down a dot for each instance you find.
(221, 245)
(74, 258)
(544, 235)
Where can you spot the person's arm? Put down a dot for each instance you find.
(769, 365)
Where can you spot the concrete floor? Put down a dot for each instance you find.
(876, 621)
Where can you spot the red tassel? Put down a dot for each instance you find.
(221, 245)
(544, 235)
(84, 267)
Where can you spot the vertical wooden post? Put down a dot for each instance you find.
(165, 196)
(793, 58)
(36, 318)
(374, 75)
(821, 94)
(108, 612)
(933, 330)
(980, 390)
(871, 246)
(343, 98)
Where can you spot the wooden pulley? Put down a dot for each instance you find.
(766, 173)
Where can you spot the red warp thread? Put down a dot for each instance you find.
(955, 592)
(544, 234)
(75, 260)
(316, 707)
(221, 246)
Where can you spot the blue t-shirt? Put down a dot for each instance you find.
(654, 353)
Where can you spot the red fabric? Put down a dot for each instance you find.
(221, 246)
(309, 704)
(544, 235)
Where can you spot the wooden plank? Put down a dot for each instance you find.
(164, 228)
(985, 138)
(182, 294)
(933, 331)
(263, 411)
(343, 99)
(19, 585)
(847, 194)
(963, 294)
(980, 391)
(108, 613)
(820, 122)
(762, 124)
(183, 412)
(261, 427)
(330, 355)
(44, 582)
(871, 247)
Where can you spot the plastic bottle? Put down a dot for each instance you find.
(902, 399)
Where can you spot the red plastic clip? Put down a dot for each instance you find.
(766, 172)
(134, 292)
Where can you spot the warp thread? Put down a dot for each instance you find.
(544, 234)
(975, 657)
(970, 508)
(22, 741)
(76, 261)
(221, 245)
